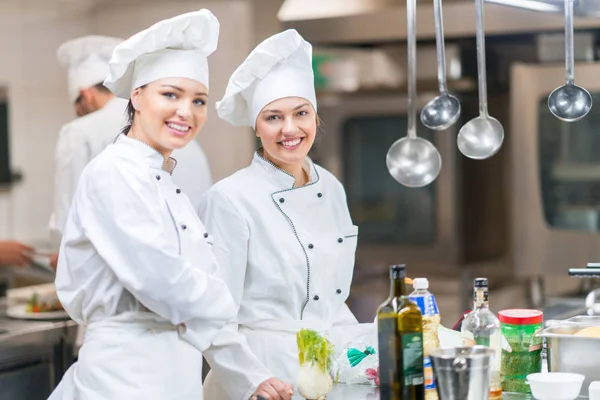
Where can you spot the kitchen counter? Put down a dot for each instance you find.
(33, 355)
(364, 392)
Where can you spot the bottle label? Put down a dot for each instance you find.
(412, 354)
(428, 373)
(427, 304)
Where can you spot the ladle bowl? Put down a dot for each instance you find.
(480, 138)
(570, 102)
(414, 162)
(441, 112)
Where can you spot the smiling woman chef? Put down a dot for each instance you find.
(136, 264)
(283, 234)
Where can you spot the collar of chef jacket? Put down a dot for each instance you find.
(279, 177)
(155, 159)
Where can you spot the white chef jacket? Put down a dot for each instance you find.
(136, 267)
(287, 255)
(84, 138)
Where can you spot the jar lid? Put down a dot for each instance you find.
(521, 317)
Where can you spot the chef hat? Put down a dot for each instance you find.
(87, 61)
(281, 66)
(173, 48)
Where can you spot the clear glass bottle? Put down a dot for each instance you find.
(481, 327)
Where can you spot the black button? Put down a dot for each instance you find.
(178, 191)
(310, 246)
(206, 235)
(316, 297)
(340, 240)
(320, 194)
(281, 200)
(184, 227)
(158, 177)
(339, 291)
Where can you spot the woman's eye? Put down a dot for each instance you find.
(199, 102)
(169, 95)
(303, 113)
(272, 118)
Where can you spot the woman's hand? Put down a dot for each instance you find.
(273, 389)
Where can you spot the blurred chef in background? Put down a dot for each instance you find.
(15, 254)
(102, 115)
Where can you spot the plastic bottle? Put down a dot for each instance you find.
(431, 321)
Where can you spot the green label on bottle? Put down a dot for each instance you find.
(412, 354)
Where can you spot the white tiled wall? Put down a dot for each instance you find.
(30, 32)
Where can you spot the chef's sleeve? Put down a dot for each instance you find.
(229, 356)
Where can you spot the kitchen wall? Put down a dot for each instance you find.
(30, 32)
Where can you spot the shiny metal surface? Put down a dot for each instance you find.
(481, 137)
(570, 102)
(328, 22)
(583, 8)
(462, 373)
(412, 161)
(568, 353)
(444, 110)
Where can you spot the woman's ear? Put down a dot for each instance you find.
(136, 97)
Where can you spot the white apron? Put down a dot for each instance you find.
(133, 344)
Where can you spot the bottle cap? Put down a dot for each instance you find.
(421, 283)
(399, 270)
(481, 282)
(521, 317)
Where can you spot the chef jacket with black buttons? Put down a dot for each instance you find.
(287, 254)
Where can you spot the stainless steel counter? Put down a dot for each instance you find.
(33, 355)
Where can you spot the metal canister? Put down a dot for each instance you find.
(462, 373)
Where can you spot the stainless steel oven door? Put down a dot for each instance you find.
(397, 224)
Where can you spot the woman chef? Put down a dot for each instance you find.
(136, 265)
(283, 234)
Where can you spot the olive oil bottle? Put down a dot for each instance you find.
(400, 334)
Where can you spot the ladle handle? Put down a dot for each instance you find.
(440, 46)
(481, 72)
(411, 23)
(569, 73)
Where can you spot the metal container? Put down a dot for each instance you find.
(462, 373)
(568, 353)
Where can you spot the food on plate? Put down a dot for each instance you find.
(591, 332)
(314, 354)
(39, 304)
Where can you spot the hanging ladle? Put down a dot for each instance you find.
(570, 102)
(412, 161)
(443, 111)
(481, 137)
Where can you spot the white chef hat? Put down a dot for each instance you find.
(281, 66)
(173, 48)
(86, 59)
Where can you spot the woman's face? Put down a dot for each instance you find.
(287, 128)
(169, 113)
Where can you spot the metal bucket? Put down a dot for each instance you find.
(462, 373)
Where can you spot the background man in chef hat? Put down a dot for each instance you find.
(102, 118)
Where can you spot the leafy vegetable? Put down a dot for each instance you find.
(314, 348)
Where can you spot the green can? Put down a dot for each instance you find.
(521, 349)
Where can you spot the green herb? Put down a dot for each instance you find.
(314, 348)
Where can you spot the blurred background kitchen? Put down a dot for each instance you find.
(522, 218)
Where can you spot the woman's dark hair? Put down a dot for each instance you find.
(130, 111)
